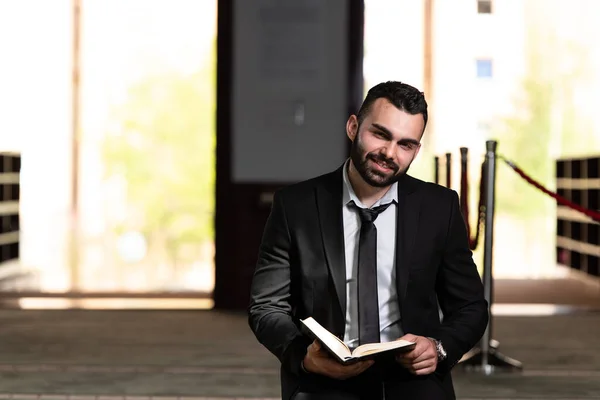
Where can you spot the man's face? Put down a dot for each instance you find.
(385, 144)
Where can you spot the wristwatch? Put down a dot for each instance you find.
(441, 352)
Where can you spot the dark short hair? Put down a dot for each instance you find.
(405, 97)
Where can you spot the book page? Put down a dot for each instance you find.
(372, 348)
(329, 340)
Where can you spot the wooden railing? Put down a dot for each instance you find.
(10, 167)
(578, 235)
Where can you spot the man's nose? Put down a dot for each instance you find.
(389, 150)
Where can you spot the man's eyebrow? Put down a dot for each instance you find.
(389, 135)
(383, 129)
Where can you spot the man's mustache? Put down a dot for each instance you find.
(383, 160)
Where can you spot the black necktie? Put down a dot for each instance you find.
(368, 305)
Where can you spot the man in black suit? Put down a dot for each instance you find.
(370, 253)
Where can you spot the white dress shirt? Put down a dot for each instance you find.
(389, 312)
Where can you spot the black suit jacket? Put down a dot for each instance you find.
(301, 272)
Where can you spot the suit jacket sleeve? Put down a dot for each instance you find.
(271, 303)
(460, 293)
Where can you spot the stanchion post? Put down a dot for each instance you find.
(464, 156)
(486, 358)
(464, 186)
(464, 190)
(488, 245)
(436, 169)
(448, 170)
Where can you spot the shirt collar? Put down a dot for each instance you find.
(348, 194)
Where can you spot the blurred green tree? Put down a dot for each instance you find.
(545, 118)
(163, 145)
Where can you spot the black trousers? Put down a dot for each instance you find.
(417, 390)
(388, 382)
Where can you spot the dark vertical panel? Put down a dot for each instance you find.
(593, 168)
(576, 231)
(593, 234)
(560, 227)
(577, 196)
(576, 169)
(241, 210)
(593, 265)
(594, 199)
(560, 169)
(356, 55)
(223, 149)
(575, 260)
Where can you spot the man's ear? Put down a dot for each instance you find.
(352, 127)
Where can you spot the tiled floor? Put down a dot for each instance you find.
(60, 397)
(106, 355)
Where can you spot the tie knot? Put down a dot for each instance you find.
(370, 214)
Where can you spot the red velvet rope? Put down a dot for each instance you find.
(561, 200)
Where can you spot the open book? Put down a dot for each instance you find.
(340, 350)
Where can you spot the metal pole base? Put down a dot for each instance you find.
(495, 361)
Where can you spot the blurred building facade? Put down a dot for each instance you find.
(525, 73)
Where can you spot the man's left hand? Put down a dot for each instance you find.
(423, 359)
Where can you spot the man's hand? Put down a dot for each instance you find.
(318, 361)
(423, 359)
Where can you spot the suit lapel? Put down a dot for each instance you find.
(406, 231)
(329, 202)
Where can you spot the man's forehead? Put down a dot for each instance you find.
(407, 126)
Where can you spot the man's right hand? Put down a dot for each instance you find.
(319, 361)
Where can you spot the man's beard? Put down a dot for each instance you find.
(371, 175)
